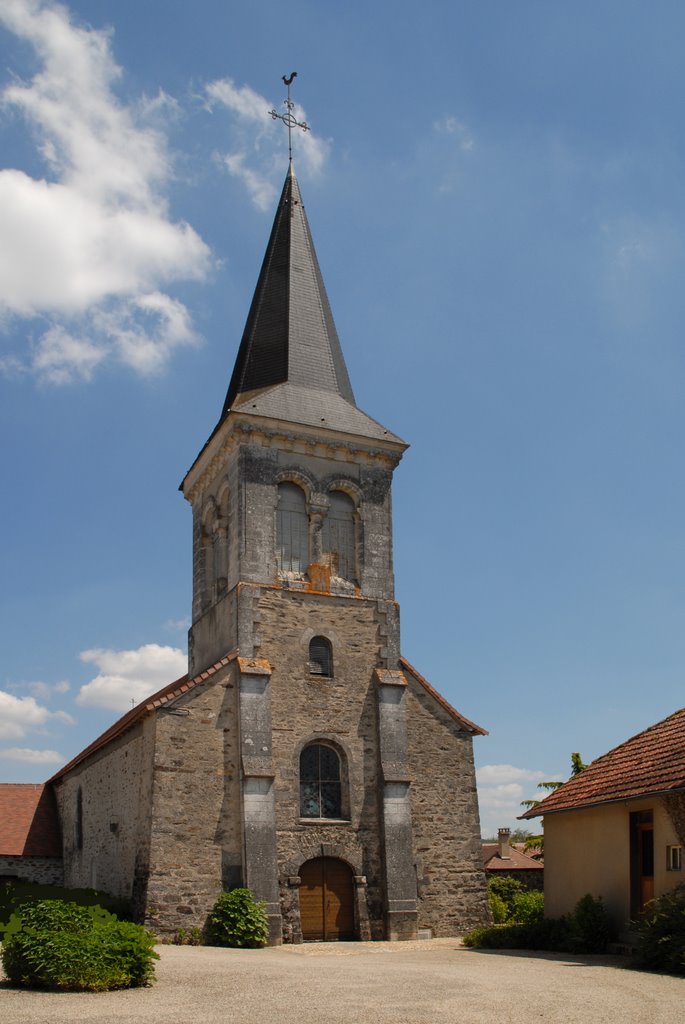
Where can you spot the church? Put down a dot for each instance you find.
(302, 756)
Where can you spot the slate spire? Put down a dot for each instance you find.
(290, 366)
(290, 335)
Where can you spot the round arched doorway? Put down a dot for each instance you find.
(326, 900)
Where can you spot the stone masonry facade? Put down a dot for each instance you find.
(200, 790)
(42, 870)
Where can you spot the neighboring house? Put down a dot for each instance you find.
(302, 756)
(617, 829)
(30, 841)
(511, 860)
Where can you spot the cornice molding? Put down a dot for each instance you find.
(272, 434)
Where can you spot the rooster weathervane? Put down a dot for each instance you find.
(289, 119)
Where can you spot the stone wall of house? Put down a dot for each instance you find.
(447, 843)
(105, 829)
(195, 840)
(44, 870)
(340, 710)
(532, 880)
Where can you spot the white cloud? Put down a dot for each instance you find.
(492, 774)
(640, 266)
(20, 715)
(31, 756)
(258, 156)
(244, 102)
(43, 691)
(126, 676)
(90, 245)
(260, 187)
(501, 788)
(451, 126)
(178, 625)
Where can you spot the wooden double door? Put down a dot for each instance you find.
(326, 900)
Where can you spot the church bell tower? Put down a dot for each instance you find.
(293, 575)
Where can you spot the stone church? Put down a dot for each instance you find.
(302, 755)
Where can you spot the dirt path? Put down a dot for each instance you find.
(436, 982)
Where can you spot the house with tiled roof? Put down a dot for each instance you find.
(30, 838)
(302, 756)
(617, 829)
(511, 860)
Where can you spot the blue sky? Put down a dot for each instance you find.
(496, 196)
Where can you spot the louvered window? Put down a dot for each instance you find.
(292, 529)
(338, 535)
(320, 660)
(320, 789)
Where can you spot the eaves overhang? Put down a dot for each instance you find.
(541, 812)
(244, 421)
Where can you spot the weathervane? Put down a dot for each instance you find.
(289, 118)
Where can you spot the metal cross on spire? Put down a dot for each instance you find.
(289, 118)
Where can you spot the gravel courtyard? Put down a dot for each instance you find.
(375, 983)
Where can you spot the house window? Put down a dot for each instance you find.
(292, 529)
(320, 789)
(320, 658)
(338, 535)
(674, 858)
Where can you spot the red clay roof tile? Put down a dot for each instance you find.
(29, 826)
(516, 861)
(651, 762)
(464, 722)
(156, 700)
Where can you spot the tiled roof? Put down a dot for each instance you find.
(516, 861)
(29, 826)
(168, 693)
(650, 763)
(471, 727)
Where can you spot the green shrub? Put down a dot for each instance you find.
(237, 920)
(590, 925)
(528, 907)
(506, 888)
(549, 934)
(58, 945)
(661, 933)
(13, 895)
(586, 930)
(511, 902)
(187, 937)
(498, 908)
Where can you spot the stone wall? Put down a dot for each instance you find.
(533, 881)
(234, 526)
(340, 710)
(195, 842)
(108, 847)
(44, 870)
(447, 844)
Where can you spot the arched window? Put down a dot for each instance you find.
(292, 529)
(320, 789)
(320, 657)
(338, 535)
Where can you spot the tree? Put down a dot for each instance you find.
(537, 843)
